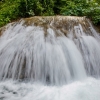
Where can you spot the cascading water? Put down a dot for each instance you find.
(50, 58)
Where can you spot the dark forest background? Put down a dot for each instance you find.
(15, 9)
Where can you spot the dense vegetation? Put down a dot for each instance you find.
(14, 9)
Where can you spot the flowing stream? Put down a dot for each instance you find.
(50, 58)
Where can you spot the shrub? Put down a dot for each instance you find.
(15, 9)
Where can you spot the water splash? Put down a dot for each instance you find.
(88, 89)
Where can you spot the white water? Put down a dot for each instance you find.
(38, 67)
(88, 89)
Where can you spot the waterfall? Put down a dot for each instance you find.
(53, 51)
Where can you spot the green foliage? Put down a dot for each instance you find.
(89, 8)
(93, 12)
(98, 1)
(8, 13)
(14, 9)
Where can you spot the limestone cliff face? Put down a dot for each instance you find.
(63, 24)
(59, 24)
(98, 28)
